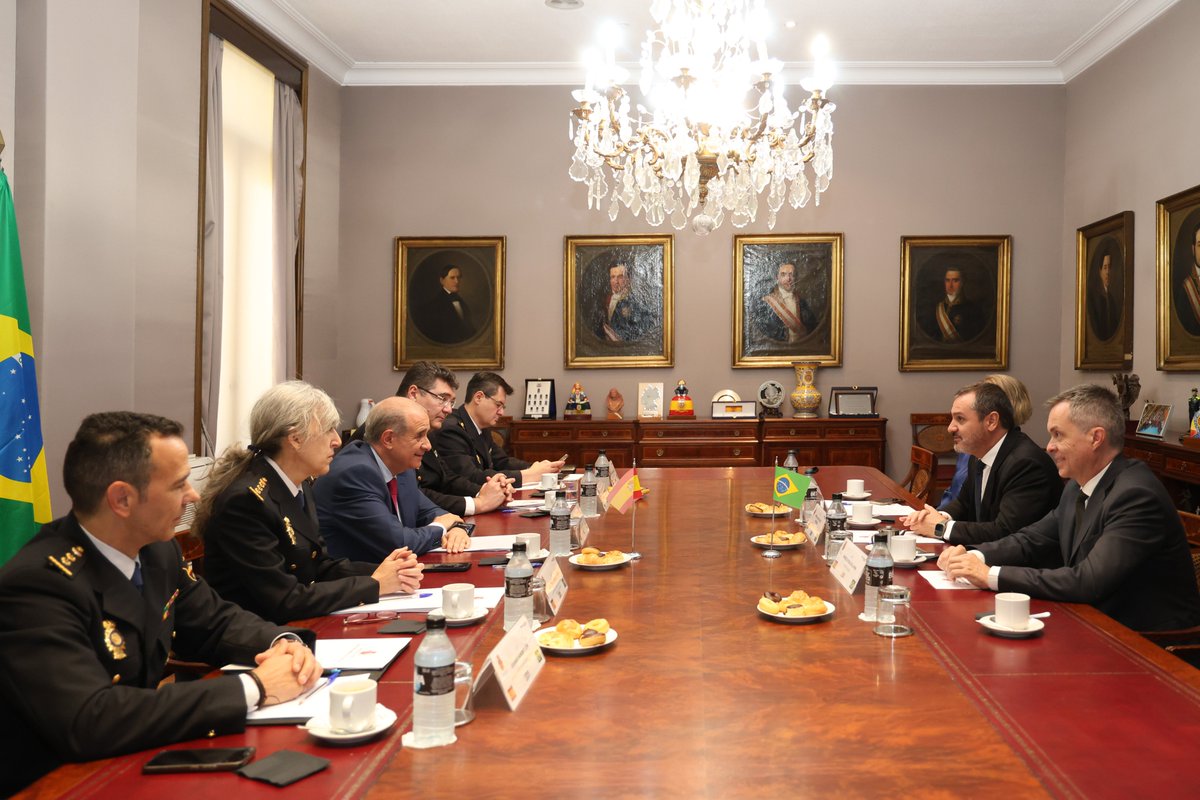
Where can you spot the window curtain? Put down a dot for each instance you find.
(288, 154)
(214, 199)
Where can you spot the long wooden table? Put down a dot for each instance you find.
(700, 697)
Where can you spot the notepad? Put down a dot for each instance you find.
(485, 543)
(367, 655)
(426, 600)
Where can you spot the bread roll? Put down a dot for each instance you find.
(591, 638)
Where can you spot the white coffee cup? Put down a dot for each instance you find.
(548, 499)
(855, 488)
(533, 542)
(1012, 610)
(352, 705)
(549, 480)
(904, 547)
(458, 600)
(862, 513)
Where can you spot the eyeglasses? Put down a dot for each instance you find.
(444, 399)
(362, 619)
(499, 405)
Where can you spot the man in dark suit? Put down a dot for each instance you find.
(432, 387)
(1010, 483)
(369, 503)
(92, 606)
(1114, 540)
(444, 316)
(466, 446)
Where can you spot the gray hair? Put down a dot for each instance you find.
(1091, 406)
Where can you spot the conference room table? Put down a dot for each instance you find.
(700, 697)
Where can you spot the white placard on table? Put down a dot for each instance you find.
(848, 566)
(814, 525)
(486, 543)
(514, 662)
(425, 600)
(556, 584)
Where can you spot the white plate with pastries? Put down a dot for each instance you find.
(764, 541)
(575, 562)
(576, 649)
(809, 620)
(764, 510)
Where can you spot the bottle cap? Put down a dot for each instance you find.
(518, 547)
(435, 620)
(880, 537)
(836, 496)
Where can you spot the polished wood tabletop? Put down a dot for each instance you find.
(700, 697)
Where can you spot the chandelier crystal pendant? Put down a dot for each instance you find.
(718, 132)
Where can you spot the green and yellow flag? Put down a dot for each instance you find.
(24, 487)
(790, 487)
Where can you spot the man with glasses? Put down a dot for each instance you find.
(468, 448)
(369, 502)
(432, 386)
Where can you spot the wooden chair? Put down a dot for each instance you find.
(929, 431)
(919, 480)
(1184, 643)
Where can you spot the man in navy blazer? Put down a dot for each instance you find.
(1114, 541)
(364, 515)
(1010, 483)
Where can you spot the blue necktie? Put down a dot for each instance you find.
(137, 576)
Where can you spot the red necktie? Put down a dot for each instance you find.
(393, 490)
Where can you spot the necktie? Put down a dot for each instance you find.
(979, 490)
(393, 490)
(137, 576)
(1080, 504)
(302, 499)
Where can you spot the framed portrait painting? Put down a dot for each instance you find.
(449, 302)
(1178, 257)
(1104, 294)
(787, 299)
(954, 298)
(619, 301)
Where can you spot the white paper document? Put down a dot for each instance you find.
(426, 600)
(367, 655)
(485, 543)
(303, 708)
(939, 580)
(893, 510)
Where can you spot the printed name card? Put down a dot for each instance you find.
(556, 584)
(814, 525)
(514, 662)
(849, 565)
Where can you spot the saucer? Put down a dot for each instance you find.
(916, 562)
(996, 629)
(319, 727)
(476, 615)
(862, 496)
(871, 524)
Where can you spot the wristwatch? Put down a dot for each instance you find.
(939, 530)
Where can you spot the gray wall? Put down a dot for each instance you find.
(1131, 124)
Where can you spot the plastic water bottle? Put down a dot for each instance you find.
(518, 595)
(433, 685)
(560, 527)
(879, 574)
(603, 468)
(590, 487)
(835, 527)
(790, 462)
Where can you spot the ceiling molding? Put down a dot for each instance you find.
(1109, 33)
(280, 20)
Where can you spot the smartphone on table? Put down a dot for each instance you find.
(207, 759)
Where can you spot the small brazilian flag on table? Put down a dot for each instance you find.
(24, 486)
(790, 487)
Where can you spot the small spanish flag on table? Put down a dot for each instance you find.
(790, 487)
(625, 491)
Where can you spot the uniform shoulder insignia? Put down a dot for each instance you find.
(258, 489)
(67, 560)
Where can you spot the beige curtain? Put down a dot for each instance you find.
(289, 190)
(214, 198)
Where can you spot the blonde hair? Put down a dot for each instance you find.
(286, 408)
(1017, 394)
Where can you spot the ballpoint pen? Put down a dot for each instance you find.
(333, 674)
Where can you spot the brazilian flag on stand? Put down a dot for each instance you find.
(24, 487)
(790, 487)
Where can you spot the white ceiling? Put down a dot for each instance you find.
(520, 42)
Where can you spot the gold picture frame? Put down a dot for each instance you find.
(972, 332)
(1104, 294)
(619, 301)
(463, 329)
(783, 315)
(1178, 299)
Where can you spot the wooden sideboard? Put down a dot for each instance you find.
(703, 442)
(1176, 465)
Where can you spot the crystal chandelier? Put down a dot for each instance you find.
(719, 132)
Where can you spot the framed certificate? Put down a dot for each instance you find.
(853, 401)
(539, 398)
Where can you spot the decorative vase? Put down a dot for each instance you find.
(805, 397)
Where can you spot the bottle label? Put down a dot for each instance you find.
(560, 522)
(602, 472)
(589, 490)
(518, 587)
(878, 576)
(435, 681)
(836, 523)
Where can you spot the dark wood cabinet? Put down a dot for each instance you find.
(703, 442)
(1177, 465)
